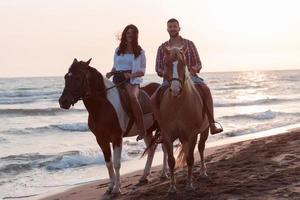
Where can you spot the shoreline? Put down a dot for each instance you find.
(211, 149)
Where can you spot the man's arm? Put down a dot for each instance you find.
(159, 67)
(195, 65)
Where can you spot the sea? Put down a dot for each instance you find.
(44, 148)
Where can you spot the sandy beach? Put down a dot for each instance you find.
(264, 168)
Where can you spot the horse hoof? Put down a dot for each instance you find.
(143, 181)
(203, 174)
(109, 190)
(116, 191)
(164, 176)
(190, 187)
(172, 189)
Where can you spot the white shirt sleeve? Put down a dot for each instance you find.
(139, 66)
(115, 59)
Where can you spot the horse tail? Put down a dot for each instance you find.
(153, 143)
(181, 157)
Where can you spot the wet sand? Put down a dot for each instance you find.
(264, 168)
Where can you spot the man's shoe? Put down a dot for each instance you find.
(215, 130)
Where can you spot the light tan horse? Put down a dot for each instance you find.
(180, 115)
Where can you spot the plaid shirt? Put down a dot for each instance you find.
(191, 55)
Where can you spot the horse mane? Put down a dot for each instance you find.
(96, 82)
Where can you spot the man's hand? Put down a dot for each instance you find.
(194, 70)
(160, 73)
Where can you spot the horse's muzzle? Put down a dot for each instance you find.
(65, 101)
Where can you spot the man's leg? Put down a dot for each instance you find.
(205, 93)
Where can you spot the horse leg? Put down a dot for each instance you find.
(171, 162)
(164, 174)
(190, 146)
(201, 147)
(148, 139)
(104, 145)
(117, 147)
(155, 108)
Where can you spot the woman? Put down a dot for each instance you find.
(129, 67)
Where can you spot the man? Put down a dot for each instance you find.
(194, 66)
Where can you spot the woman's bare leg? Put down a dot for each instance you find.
(133, 91)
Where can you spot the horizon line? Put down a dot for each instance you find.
(44, 76)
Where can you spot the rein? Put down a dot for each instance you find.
(176, 79)
(106, 89)
(116, 85)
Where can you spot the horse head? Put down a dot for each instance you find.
(175, 69)
(81, 81)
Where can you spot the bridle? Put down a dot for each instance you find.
(87, 95)
(177, 79)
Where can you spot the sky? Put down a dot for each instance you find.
(42, 37)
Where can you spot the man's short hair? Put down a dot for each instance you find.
(173, 20)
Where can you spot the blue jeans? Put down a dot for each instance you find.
(195, 78)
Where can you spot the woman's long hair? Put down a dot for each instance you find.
(135, 45)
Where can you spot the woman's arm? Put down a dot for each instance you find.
(109, 74)
(139, 68)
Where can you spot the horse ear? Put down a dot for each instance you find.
(166, 51)
(75, 61)
(88, 62)
(183, 49)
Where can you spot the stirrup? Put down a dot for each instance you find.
(139, 137)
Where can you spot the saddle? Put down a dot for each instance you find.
(144, 101)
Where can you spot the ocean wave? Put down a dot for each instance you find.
(17, 100)
(15, 164)
(254, 102)
(76, 160)
(15, 97)
(237, 87)
(73, 127)
(23, 92)
(260, 127)
(266, 115)
(2, 140)
(32, 112)
(80, 127)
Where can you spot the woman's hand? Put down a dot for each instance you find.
(109, 74)
(128, 75)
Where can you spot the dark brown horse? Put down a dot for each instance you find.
(107, 119)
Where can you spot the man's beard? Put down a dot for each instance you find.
(174, 35)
